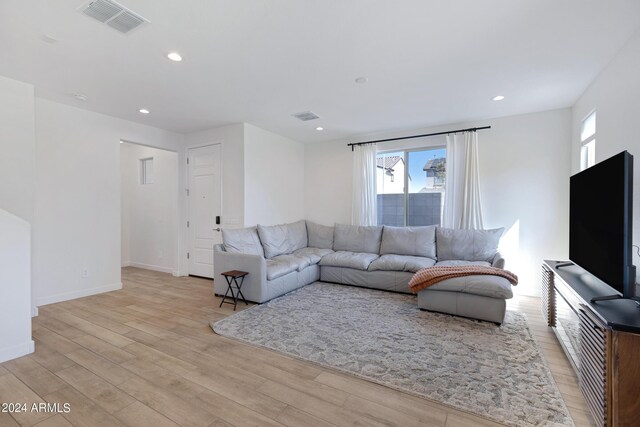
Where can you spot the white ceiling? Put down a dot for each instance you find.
(428, 62)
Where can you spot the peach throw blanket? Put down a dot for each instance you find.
(431, 275)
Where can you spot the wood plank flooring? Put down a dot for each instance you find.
(145, 356)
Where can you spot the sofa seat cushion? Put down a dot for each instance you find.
(467, 245)
(484, 285)
(457, 263)
(314, 255)
(401, 263)
(277, 269)
(300, 262)
(414, 241)
(355, 260)
(285, 264)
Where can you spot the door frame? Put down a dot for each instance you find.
(187, 175)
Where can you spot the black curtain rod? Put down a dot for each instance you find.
(353, 144)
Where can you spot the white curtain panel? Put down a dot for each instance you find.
(364, 206)
(462, 207)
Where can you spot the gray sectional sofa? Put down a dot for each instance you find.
(281, 258)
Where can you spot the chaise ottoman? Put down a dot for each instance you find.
(480, 297)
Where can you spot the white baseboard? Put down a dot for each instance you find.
(151, 267)
(34, 312)
(51, 299)
(18, 350)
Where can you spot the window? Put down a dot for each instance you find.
(411, 186)
(588, 140)
(146, 171)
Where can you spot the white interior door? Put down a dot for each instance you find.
(205, 203)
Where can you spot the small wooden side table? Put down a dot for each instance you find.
(232, 281)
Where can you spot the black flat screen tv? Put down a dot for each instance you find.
(600, 222)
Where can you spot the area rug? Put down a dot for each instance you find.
(478, 367)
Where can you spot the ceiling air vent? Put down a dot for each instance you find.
(305, 116)
(113, 14)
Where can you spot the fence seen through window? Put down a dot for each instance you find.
(411, 186)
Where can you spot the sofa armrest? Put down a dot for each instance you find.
(255, 265)
(498, 261)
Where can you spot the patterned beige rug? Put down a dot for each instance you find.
(495, 372)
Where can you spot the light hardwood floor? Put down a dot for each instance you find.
(145, 356)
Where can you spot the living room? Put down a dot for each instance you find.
(76, 91)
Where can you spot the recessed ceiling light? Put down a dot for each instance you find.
(498, 98)
(362, 80)
(319, 128)
(174, 56)
(144, 111)
(80, 97)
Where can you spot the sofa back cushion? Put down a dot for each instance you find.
(242, 240)
(320, 236)
(282, 239)
(357, 238)
(297, 235)
(414, 241)
(467, 245)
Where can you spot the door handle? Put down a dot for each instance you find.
(216, 229)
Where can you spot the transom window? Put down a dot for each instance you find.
(411, 186)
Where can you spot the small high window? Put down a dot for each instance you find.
(146, 171)
(588, 141)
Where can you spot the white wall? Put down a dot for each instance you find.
(524, 166)
(17, 145)
(77, 210)
(615, 95)
(273, 178)
(17, 148)
(232, 139)
(15, 283)
(327, 182)
(150, 231)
